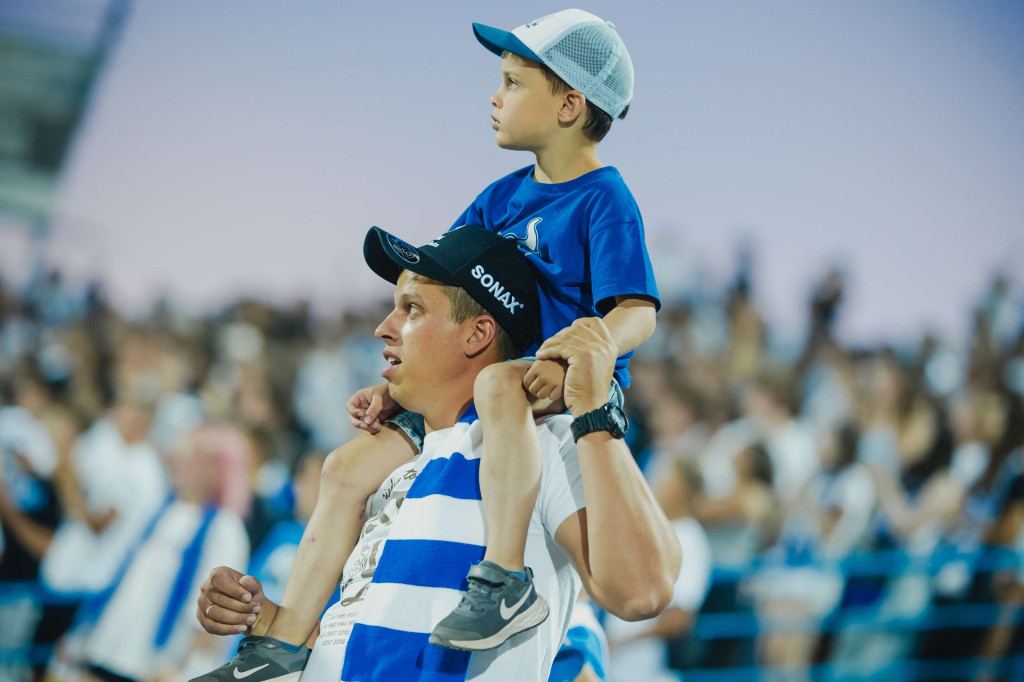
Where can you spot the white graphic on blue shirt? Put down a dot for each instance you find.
(532, 241)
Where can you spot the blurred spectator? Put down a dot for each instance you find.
(29, 508)
(640, 649)
(322, 389)
(676, 430)
(746, 335)
(272, 560)
(120, 483)
(741, 524)
(146, 628)
(802, 583)
(269, 484)
(1000, 313)
(828, 295)
(789, 443)
(27, 469)
(1007, 584)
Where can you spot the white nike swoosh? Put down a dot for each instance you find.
(242, 676)
(506, 612)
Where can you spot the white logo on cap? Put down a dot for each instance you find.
(497, 290)
(437, 241)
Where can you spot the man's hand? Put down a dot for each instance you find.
(370, 407)
(587, 346)
(545, 379)
(232, 603)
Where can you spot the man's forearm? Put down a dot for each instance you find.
(634, 554)
(621, 543)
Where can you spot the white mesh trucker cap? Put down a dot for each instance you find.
(582, 49)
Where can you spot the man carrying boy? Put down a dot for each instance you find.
(425, 525)
(565, 77)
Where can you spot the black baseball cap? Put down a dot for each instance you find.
(492, 270)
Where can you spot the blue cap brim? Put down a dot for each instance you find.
(498, 41)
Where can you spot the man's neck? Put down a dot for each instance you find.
(444, 417)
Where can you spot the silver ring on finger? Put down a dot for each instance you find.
(207, 611)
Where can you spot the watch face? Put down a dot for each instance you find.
(617, 420)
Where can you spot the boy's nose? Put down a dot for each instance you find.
(494, 100)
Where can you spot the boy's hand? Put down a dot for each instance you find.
(370, 407)
(545, 379)
(587, 347)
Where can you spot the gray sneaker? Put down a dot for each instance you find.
(496, 606)
(260, 659)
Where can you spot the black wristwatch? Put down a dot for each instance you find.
(609, 417)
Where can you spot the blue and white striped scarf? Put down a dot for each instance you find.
(422, 570)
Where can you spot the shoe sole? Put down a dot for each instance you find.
(530, 618)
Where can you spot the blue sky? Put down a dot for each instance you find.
(247, 146)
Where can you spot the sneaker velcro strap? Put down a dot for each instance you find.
(489, 572)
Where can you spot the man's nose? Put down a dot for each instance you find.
(386, 330)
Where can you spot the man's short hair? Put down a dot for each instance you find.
(465, 307)
(598, 121)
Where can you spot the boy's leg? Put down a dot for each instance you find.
(510, 471)
(350, 475)
(510, 465)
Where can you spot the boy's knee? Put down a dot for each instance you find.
(500, 382)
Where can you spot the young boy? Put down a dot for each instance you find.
(565, 77)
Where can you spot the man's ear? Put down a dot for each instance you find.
(481, 332)
(574, 105)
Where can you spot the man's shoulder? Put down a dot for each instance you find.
(555, 424)
(555, 432)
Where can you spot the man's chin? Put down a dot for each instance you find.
(396, 394)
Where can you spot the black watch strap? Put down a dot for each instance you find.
(609, 417)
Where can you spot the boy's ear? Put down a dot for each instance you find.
(574, 105)
(482, 330)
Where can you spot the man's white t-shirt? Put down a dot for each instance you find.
(527, 655)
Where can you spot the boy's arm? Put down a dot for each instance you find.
(630, 322)
(621, 544)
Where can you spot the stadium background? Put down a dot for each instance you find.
(833, 201)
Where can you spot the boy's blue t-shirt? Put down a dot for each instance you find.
(585, 237)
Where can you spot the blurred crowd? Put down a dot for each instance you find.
(821, 495)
